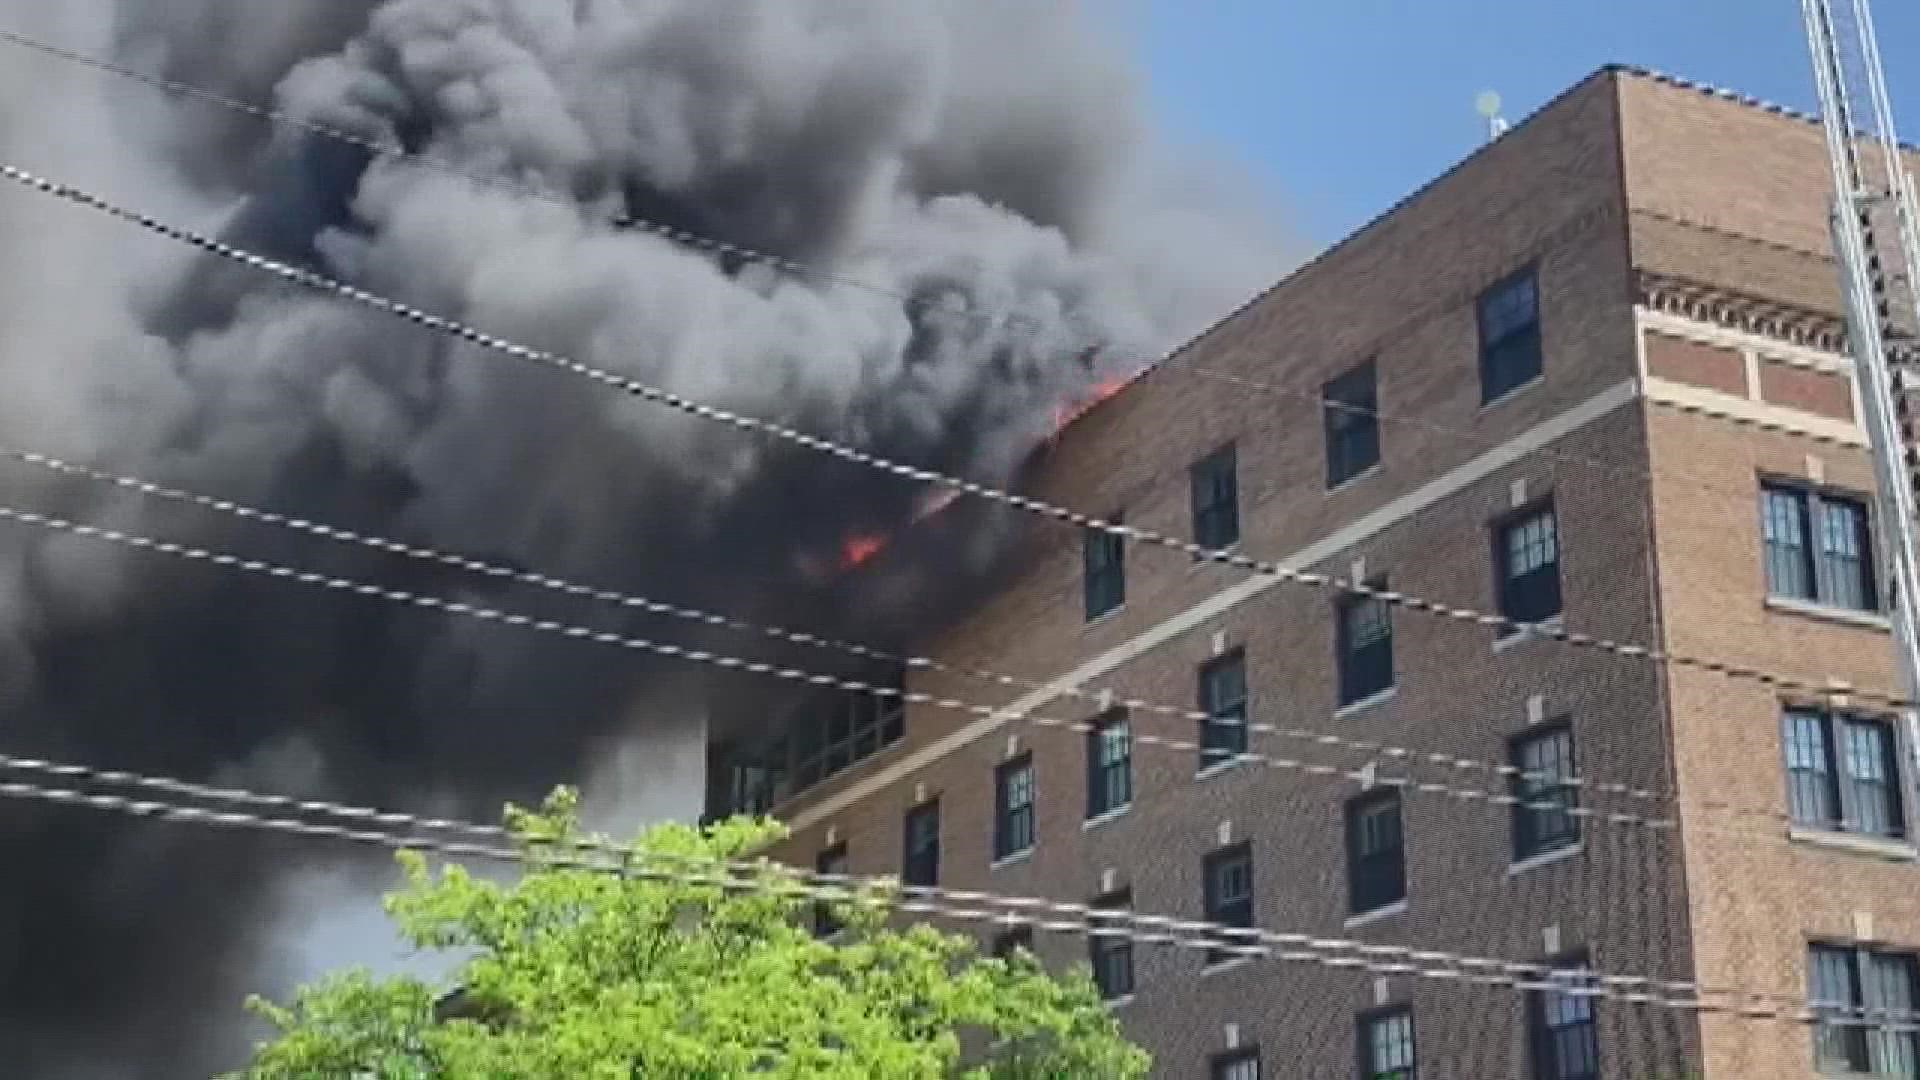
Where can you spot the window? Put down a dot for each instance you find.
(1109, 764)
(1223, 697)
(1818, 547)
(831, 861)
(1843, 773)
(1543, 820)
(1241, 1064)
(1565, 1043)
(1527, 556)
(1364, 644)
(921, 865)
(1509, 336)
(1111, 954)
(1013, 939)
(1013, 798)
(1376, 853)
(1105, 571)
(1386, 1045)
(1216, 499)
(1349, 411)
(1863, 996)
(1228, 881)
(836, 729)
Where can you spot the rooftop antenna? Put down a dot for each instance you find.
(1488, 106)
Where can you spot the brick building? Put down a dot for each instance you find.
(1605, 353)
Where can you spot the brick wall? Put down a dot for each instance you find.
(1715, 192)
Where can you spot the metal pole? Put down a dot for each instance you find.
(1863, 286)
(1894, 500)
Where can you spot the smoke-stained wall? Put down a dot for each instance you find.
(985, 159)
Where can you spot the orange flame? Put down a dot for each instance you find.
(858, 549)
(1067, 413)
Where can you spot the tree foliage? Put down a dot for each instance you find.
(575, 974)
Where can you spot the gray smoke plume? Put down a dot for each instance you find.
(984, 162)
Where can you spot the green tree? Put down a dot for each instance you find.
(576, 974)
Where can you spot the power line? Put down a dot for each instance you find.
(1085, 919)
(710, 244)
(1102, 699)
(1040, 508)
(802, 676)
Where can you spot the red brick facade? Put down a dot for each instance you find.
(1679, 247)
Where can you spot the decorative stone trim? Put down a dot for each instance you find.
(1740, 311)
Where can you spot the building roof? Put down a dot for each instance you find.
(1612, 70)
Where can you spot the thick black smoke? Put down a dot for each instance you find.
(985, 158)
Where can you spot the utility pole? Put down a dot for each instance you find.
(1868, 204)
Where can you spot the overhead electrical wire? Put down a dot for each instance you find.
(854, 455)
(594, 854)
(697, 241)
(1100, 698)
(315, 579)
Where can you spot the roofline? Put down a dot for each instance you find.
(1611, 70)
(1331, 249)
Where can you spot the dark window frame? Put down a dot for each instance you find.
(1825, 789)
(830, 860)
(1538, 832)
(1350, 419)
(921, 868)
(1222, 740)
(1858, 1045)
(836, 729)
(1214, 482)
(1223, 1065)
(1365, 671)
(1510, 357)
(1364, 1024)
(1238, 912)
(1537, 594)
(1546, 1023)
(1805, 567)
(1103, 570)
(1014, 826)
(1109, 782)
(1376, 879)
(1111, 955)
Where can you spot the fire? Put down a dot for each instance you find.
(1067, 413)
(858, 549)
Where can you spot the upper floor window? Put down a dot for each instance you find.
(1216, 499)
(1843, 772)
(1527, 558)
(1013, 802)
(834, 730)
(1111, 954)
(1386, 1045)
(1223, 697)
(1364, 640)
(920, 865)
(1227, 881)
(1543, 818)
(1376, 852)
(1819, 547)
(832, 861)
(1109, 764)
(1509, 335)
(1241, 1064)
(1105, 570)
(1349, 408)
(1865, 998)
(1566, 1045)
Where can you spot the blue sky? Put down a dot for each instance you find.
(1338, 109)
